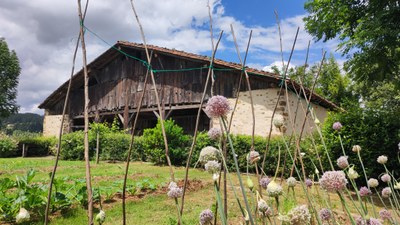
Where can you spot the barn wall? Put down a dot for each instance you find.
(320, 112)
(264, 104)
(52, 124)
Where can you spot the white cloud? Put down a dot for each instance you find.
(44, 33)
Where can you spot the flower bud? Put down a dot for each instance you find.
(250, 183)
(101, 217)
(352, 174)
(23, 216)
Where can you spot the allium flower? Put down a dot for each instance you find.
(213, 166)
(386, 178)
(22, 216)
(325, 214)
(309, 182)
(337, 126)
(342, 162)
(364, 191)
(299, 215)
(333, 181)
(101, 217)
(291, 181)
(206, 217)
(386, 192)
(352, 174)
(263, 207)
(250, 183)
(396, 185)
(356, 148)
(253, 157)
(278, 122)
(217, 106)
(264, 182)
(372, 182)
(208, 153)
(214, 133)
(385, 214)
(274, 189)
(382, 159)
(174, 190)
(368, 221)
(172, 185)
(316, 121)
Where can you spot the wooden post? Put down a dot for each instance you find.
(97, 146)
(86, 115)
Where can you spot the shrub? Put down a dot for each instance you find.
(72, 147)
(114, 146)
(377, 132)
(37, 145)
(178, 142)
(8, 146)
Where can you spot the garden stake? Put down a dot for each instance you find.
(46, 214)
(86, 119)
(193, 145)
(128, 157)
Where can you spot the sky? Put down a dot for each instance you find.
(44, 32)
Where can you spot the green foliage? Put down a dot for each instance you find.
(178, 142)
(368, 31)
(377, 132)
(8, 146)
(331, 84)
(9, 73)
(36, 144)
(72, 147)
(114, 146)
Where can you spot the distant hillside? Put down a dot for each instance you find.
(24, 122)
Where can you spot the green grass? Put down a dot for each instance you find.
(152, 207)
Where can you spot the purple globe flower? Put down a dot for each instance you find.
(333, 181)
(342, 162)
(264, 182)
(386, 178)
(214, 133)
(364, 191)
(217, 106)
(309, 183)
(206, 217)
(325, 214)
(337, 126)
(175, 192)
(385, 214)
(386, 192)
(369, 221)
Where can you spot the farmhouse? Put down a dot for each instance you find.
(116, 82)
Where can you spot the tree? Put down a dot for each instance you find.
(369, 31)
(9, 73)
(331, 83)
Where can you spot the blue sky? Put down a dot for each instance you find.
(43, 33)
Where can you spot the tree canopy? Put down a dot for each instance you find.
(9, 73)
(369, 31)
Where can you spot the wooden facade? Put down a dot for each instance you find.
(116, 82)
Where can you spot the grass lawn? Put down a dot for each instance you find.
(154, 207)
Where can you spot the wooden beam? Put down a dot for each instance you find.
(156, 113)
(176, 107)
(168, 114)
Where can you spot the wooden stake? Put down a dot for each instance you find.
(86, 119)
(46, 214)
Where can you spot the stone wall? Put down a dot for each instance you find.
(264, 104)
(52, 123)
